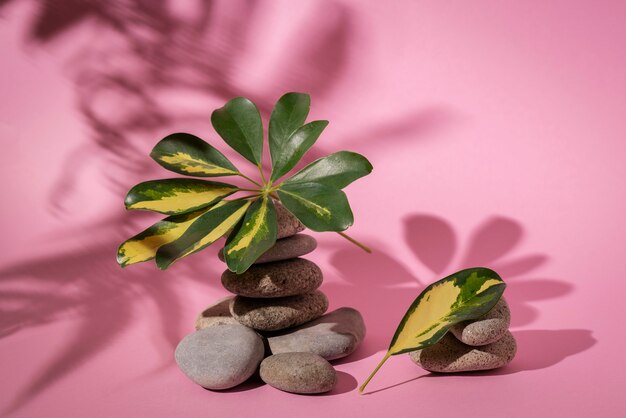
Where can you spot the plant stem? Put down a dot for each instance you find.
(245, 197)
(249, 179)
(262, 174)
(362, 387)
(249, 190)
(355, 242)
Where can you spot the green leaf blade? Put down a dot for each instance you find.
(239, 124)
(295, 147)
(335, 170)
(189, 155)
(205, 230)
(253, 236)
(176, 196)
(289, 114)
(317, 206)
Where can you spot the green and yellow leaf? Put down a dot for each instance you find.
(465, 295)
(176, 196)
(189, 155)
(295, 147)
(143, 246)
(252, 237)
(335, 170)
(239, 124)
(204, 231)
(317, 206)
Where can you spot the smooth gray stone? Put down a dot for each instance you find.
(276, 279)
(285, 249)
(221, 356)
(452, 356)
(486, 330)
(288, 224)
(304, 373)
(332, 336)
(278, 313)
(218, 313)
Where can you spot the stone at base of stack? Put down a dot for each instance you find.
(278, 298)
(484, 344)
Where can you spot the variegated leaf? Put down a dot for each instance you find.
(143, 246)
(252, 237)
(176, 196)
(465, 295)
(204, 231)
(317, 206)
(335, 170)
(189, 155)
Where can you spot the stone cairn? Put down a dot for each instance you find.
(276, 323)
(483, 344)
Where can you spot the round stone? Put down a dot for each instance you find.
(304, 373)
(452, 356)
(217, 313)
(288, 224)
(285, 249)
(486, 330)
(278, 313)
(221, 356)
(277, 279)
(332, 336)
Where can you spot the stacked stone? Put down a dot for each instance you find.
(277, 313)
(483, 344)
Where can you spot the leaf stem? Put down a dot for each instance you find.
(355, 242)
(241, 189)
(245, 197)
(249, 179)
(362, 387)
(262, 174)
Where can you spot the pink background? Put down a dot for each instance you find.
(498, 135)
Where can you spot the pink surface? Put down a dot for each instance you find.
(497, 132)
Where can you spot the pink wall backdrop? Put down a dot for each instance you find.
(497, 130)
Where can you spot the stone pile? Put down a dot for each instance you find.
(275, 323)
(483, 344)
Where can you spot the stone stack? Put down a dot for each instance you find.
(483, 344)
(278, 300)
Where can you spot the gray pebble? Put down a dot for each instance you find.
(217, 313)
(452, 356)
(284, 249)
(304, 373)
(332, 336)
(486, 330)
(221, 356)
(278, 313)
(277, 279)
(288, 224)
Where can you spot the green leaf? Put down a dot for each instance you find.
(289, 114)
(204, 231)
(465, 295)
(317, 206)
(143, 246)
(239, 124)
(336, 170)
(295, 147)
(176, 196)
(189, 155)
(253, 236)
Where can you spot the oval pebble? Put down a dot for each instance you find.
(277, 279)
(304, 373)
(487, 329)
(288, 224)
(218, 313)
(274, 314)
(221, 356)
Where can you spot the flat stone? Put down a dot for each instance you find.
(276, 279)
(218, 313)
(304, 373)
(452, 356)
(486, 330)
(221, 356)
(288, 224)
(332, 336)
(278, 313)
(285, 249)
